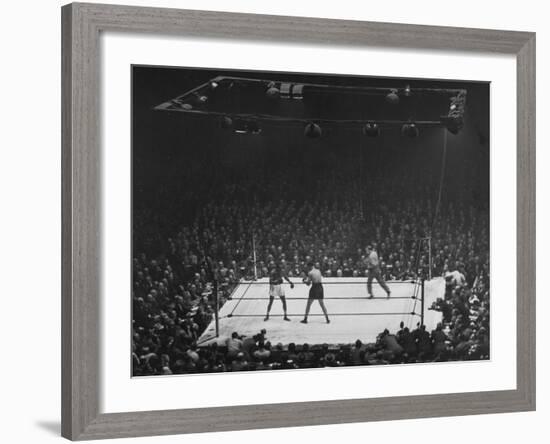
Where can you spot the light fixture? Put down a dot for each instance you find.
(180, 103)
(246, 127)
(410, 130)
(407, 91)
(371, 129)
(454, 120)
(253, 127)
(453, 123)
(272, 91)
(312, 130)
(226, 122)
(392, 97)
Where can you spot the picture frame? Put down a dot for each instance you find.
(81, 244)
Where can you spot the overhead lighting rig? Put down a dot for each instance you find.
(204, 100)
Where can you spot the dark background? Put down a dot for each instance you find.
(170, 147)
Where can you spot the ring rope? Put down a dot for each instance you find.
(342, 282)
(412, 313)
(320, 314)
(305, 298)
(416, 290)
(240, 299)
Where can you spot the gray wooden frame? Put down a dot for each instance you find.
(81, 26)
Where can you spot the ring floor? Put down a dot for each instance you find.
(352, 315)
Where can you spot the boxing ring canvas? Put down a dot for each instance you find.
(353, 315)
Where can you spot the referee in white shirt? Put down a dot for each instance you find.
(373, 272)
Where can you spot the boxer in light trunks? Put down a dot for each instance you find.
(374, 272)
(316, 292)
(276, 277)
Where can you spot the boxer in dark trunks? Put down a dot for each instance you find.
(316, 292)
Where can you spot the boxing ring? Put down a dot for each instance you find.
(352, 315)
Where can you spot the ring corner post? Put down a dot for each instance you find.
(422, 302)
(429, 258)
(217, 307)
(254, 257)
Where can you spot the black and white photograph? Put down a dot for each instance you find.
(274, 222)
(285, 221)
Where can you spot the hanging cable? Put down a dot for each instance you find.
(441, 180)
(361, 175)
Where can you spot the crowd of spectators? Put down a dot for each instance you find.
(240, 226)
(447, 342)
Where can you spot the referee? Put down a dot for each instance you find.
(374, 272)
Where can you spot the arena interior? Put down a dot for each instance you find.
(218, 209)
